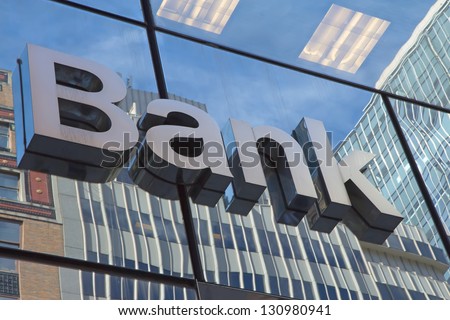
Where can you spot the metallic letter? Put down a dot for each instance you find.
(248, 184)
(333, 203)
(292, 184)
(376, 218)
(66, 121)
(175, 151)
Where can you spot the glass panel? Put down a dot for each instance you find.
(9, 232)
(9, 180)
(427, 132)
(130, 8)
(348, 40)
(120, 47)
(74, 284)
(115, 222)
(231, 86)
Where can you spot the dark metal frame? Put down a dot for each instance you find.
(151, 28)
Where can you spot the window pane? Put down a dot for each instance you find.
(8, 180)
(9, 194)
(7, 265)
(9, 232)
(4, 129)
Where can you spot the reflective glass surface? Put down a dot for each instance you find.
(121, 47)
(119, 224)
(115, 223)
(130, 8)
(349, 40)
(233, 86)
(428, 134)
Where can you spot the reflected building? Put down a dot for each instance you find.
(419, 71)
(28, 219)
(119, 224)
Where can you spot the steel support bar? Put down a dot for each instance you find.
(77, 264)
(417, 175)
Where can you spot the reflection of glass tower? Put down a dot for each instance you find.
(420, 70)
(123, 225)
(119, 224)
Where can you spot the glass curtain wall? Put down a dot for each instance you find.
(265, 64)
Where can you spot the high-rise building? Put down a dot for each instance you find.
(120, 224)
(116, 241)
(419, 71)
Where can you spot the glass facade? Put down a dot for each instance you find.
(420, 72)
(235, 59)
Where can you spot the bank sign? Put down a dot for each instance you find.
(67, 124)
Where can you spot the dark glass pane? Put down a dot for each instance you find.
(111, 216)
(9, 231)
(128, 289)
(416, 295)
(308, 249)
(361, 263)
(88, 285)
(122, 217)
(308, 290)
(329, 254)
(159, 228)
(263, 241)
(297, 286)
(227, 237)
(318, 251)
(344, 294)
(440, 255)
(332, 292)
(394, 242)
(384, 291)
(7, 265)
(259, 282)
(409, 245)
(100, 286)
(354, 295)
(9, 180)
(322, 291)
(4, 142)
(234, 279)
(248, 281)
(285, 246)
(143, 288)
(273, 243)
(147, 225)
(284, 287)
(203, 231)
(398, 293)
(86, 211)
(170, 231)
(239, 235)
(339, 256)
(274, 287)
(296, 247)
(250, 239)
(97, 211)
(217, 234)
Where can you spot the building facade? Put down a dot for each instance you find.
(139, 245)
(420, 71)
